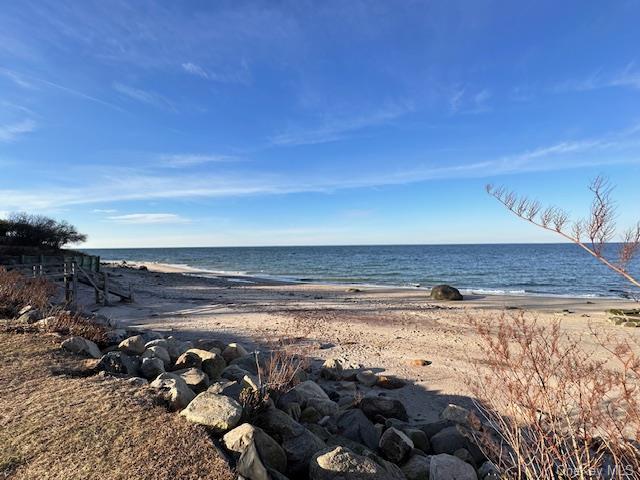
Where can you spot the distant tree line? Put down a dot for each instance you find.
(24, 230)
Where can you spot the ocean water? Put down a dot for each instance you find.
(517, 269)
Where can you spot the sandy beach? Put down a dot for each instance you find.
(378, 328)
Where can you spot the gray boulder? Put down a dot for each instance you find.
(386, 407)
(332, 369)
(114, 337)
(448, 467)
(367, 378)
(151, 367)
(452, 439)
(258, 452)
(132, 345)
(218, 412)
(417, 468)
(157, 351)
(419, 438)
(173, 390)
(461, 416)
(81, 346)
(118, 363)
(176, 347)
(394, 445)
(29, 315)
(233, 351)
(445, 292)
(354, 425)
(196, 379)
(339, 463)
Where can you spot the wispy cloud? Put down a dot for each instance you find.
(104, 210)
(147, 218)
(190, 159)
(628, 77)
(463, 101)
(338, 128)
(144, 96)
(129, 184)
(28, 81)
(240, 75)
(194, 69)
(11, 132)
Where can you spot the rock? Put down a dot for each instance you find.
(226, 387)
(234, 372)
(298, 443)
(151, 367)
(81, 346)
(419, 438)
(367, 378)
(32, 315)
(210, 344)
(248, 363)
(448, 467)
(258, 451)
(386, 407)
(104, 321)
(488, 471)
(213, 366)
(132, 345)
(354, 425)
(196, 379)
(45, 323)
(431, 428)
(309, 416)
(394, 445)
(310, 390)
(117, 363)
(157, 351)
(114, 337)
(464, 455)
(339, 463)
(160, 342)
(218, 412)
(173, 390)
(417, 468)
(461, 416)
(137, 382)
(323, 407)
(176, 347)
(332, 369)
(188, 360)
(451, 439)
(445, 292)
(25, 309)
(419, 362)
(233, 351)
(390, 383)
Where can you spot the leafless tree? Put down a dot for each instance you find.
(592, 234)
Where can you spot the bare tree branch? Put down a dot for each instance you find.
(599, 227)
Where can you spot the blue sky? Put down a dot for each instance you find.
(287, 123)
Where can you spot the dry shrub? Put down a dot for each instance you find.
(70, 323)
(17, 290)
(554, 410)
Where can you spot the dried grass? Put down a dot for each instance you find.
(554, 409)
(17, 290)
(54, 427)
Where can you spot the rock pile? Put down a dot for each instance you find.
(322, 428)
(625, 317)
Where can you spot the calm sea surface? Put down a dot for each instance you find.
(536, 269)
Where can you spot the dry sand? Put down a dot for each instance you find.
(379, 328)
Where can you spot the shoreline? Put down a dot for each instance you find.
(469, 293)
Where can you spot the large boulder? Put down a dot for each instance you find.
(209, 362)
(176, 347)
(196, 379)
(298, 443)
(114, 337)
(118, 363)
(218, 412)
(173, 390)
(395, 446)
(354, 425)
(132, 345)
(332, 369)
(29, 315)
(151, 367)
(339, 463)
(158, 352)
(233, 351)
(417, 468)
(448, 467)
(81, 346)
(384, 406)
(461, 416)
(258, 452)
(452, 439)
(418, 437)
(445, 292)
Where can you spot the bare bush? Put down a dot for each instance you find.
(591, 234)
(71, 323)
(553, 409)
(17, 290)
